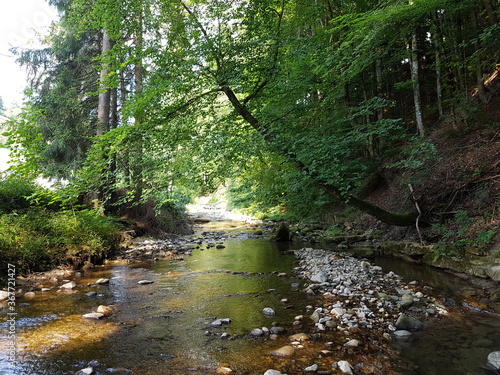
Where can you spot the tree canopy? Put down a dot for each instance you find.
(168, 98)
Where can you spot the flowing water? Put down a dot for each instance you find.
(164, 327)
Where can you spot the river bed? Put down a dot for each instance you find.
(167, 326)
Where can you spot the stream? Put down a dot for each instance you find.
(171, 324)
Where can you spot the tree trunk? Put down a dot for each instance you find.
(392, 218)
(103, 106)
(415, 77)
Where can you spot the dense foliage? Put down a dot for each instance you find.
(297, 103)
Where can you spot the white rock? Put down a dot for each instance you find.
(319, 277)
(3, 295)
(345, 367)
(493, 360)
(268, 311)
(93, 316)
(312, 368)
(69, 285)
(272, 372)
(352, 343)
(86, 371)
(145, 282)
(102, 281)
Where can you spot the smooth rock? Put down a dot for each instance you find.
(86, 371)
(29, 295)
(300, 337)
(319, 277)
(409, 323)
(284, 351)
(224, 371)
(272, 372)
(102, 281)
(402, 334)
(4, 295)
(145, 282)
(277, 330)
(345, 367)
(352, 343)
(93, 316)
(257, 332)
(312, 368)
(406, 300)
(268, 311)
(493, 360)
(69, 285)
(105, 310)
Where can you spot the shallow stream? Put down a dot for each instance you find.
(165, 327)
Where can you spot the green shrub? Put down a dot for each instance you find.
(14, 193)
(37, 239)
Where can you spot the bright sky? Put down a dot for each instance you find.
(20, 21)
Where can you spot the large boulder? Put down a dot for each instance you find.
(281, 233)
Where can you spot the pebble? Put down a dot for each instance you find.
(493, 360)
(102, 281)
(4, 295)
(29, 295)
(284, 351)
(93, 316)
(104, 310)
(273, 372)
(268, 311)
(145, 282)
(345, 367)
(312, 368)
(69, 285)
(86, 371)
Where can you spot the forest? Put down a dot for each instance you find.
(380, 113)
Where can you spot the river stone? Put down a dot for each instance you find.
(216, 323)
(345, 367)
(93, 316)
(352, 343)
(319, 277)
(29, 295)
(315, 317)
(105, 310)
(268, 311)
(406, 300)
(312, 368)
(257, 332)
(3, 295)
(272, 372)
(145, 282)
(224, 371)
(86, 371)
(284, 351)
(102, 281)
(69, 285)
(493, 360)
(300, 337)
(402, 334)
(277, 330)
(409, 323)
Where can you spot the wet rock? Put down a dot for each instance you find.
(145, 282)
(312, 368)
(493, 360)
(273, 372)
(224, 371)
(300, 337)
(29, 295)
(406, 300)
(94, 315)
(86, 371)
(257, 332)
(91, 294)
(352, 343)
(268, 311)
(402, 334)
(277, 330)
(104, 310)
(409, 323)
(281, 233)
(69, 285)
(4, 295)
(284, 351)
(102, 281)
(345, 367)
